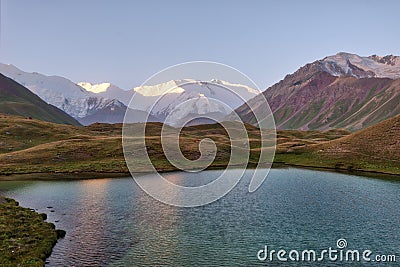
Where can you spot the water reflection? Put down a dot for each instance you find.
(154, 227)
(112, 222)
(91, 219)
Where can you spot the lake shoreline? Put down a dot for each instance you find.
(46, 176)
(30, 244)
(117, 211)
(369, 173)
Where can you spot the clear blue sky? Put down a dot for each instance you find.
(124, 42)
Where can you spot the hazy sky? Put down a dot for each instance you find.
(124, 42)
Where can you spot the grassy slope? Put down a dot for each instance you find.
(37, 146)
(25, 239)
(376, 148)
(31, 146)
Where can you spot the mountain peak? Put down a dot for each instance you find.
(347, 64)
(180, 86)
(339, 91)
(95, 88)
(160, 89)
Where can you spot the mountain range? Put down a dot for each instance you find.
(86, 107)
(90, 103)
(179, 100)
(340, 91)
(15, 99)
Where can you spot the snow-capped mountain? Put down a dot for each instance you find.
(105, 102)
(108, 90)
(67, 96)
(346, 64)
(339, 91)
(173, 93)
(16, 99)
(114, 112)
(198, 106)
(180, 99)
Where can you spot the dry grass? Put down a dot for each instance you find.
(374, 149)
(41, 147)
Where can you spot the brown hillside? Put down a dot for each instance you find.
(377, 143)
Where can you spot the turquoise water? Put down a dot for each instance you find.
(112, 222)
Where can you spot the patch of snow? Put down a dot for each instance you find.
(95, 88)
(338, 65)
(170, 87)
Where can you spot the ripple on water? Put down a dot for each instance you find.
(111, 222)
